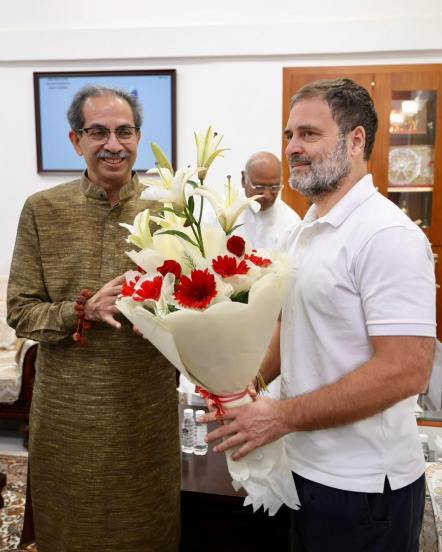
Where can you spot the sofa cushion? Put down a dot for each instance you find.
(10, 376)
(8, 339)
(7, 334)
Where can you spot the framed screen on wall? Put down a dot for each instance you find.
(53, 93)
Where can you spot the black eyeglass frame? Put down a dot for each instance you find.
(108, 131)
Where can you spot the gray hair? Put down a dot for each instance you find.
(75, 111)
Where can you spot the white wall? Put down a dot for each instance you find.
(229, 59)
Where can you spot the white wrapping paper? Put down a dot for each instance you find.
(220, 349)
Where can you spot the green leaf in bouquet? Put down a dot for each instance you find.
(189, 260)
(233, 229)
(148, 308)
(193, 183)
(241, 296)
(161, 157)
(191, 204)
(182, 235)
(174, 211)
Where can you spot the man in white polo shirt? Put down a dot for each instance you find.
(355, 342)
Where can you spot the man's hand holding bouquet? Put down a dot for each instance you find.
(209, 302)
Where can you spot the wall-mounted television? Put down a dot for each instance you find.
(53, 93)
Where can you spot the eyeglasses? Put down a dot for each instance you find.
(101, 135)
(264, 187)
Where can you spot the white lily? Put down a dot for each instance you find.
(207, 150)
(168, 188)
(168, 220)
(243, 282)
(147, 259)
(166, 297)
(161, 157)
(168, 247)
(140, 234)
(228, 208)
(223, 288)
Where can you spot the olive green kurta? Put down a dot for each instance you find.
(104, 448)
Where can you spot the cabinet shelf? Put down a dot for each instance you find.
(409, 132)
(418, 139)
(400, 189)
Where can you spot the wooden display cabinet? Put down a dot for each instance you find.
(406, 162)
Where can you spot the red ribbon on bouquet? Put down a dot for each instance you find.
(219, 400)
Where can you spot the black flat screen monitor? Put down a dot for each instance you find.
(53, 93)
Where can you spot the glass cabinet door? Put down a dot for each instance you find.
(412, 134)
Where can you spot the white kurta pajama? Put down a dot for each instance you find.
(268, 229)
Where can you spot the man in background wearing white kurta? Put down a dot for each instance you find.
(355, 342)
(266, 228)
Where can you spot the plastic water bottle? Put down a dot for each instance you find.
(188, 432)
(201, 432)
(425, 446)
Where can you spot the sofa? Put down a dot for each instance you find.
(17, 369)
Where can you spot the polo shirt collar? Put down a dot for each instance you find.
(357, 195)
(92, 190)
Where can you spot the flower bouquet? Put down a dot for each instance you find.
(209, 302)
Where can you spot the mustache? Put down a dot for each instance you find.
(295, 159)
(105, 154)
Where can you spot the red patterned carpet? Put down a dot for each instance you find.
(11, 515)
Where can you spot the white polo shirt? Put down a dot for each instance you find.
(364, 269)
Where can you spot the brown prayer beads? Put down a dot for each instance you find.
(82, 325)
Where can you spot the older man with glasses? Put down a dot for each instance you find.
(266, 228)
(104, 449)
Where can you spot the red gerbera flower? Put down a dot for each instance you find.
(236, 245)
(259, 261)
(127, 289)
(149, 289)
(227, 266)
(170, 266)
(197, 291)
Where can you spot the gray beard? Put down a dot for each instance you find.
(325, 175)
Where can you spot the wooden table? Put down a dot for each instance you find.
(213, 517)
